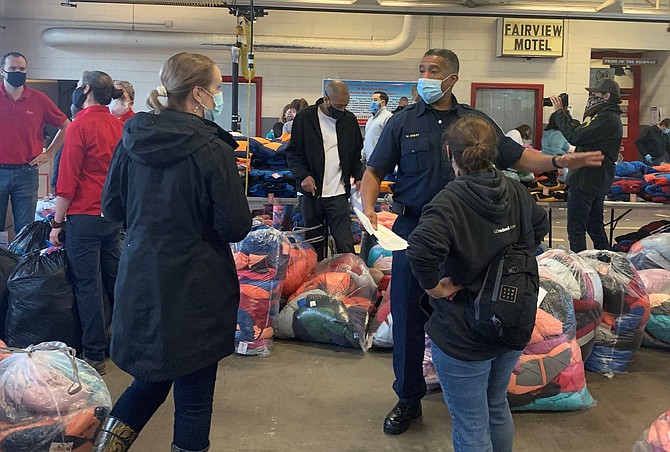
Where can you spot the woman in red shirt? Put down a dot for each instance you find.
(92, 242)
(122, 108)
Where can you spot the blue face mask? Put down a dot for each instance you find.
(666, 131)
(374, 107)
(430, 89)
(215, 112)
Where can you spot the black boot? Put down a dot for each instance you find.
(399, 418)
(178, 449)
(114, 436)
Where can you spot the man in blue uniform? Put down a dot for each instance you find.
(412, 141)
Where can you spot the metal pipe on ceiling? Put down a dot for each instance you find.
(63, 37)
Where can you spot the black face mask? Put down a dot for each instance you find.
(78, 97)
(16, 79)
(335, 113)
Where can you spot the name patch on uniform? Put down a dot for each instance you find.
(412, 135)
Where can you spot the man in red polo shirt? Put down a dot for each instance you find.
(23, 114)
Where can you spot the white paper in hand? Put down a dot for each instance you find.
(387, 238)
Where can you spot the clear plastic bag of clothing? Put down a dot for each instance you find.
(41, 301)
(651, 252)
(381, 326)
(301, 263)
(549, 375)
(625, 312)
(333, 306)
(261, 260)
(584, 286)
(49, 400)
(657, 437)
(657, 330)
(8, 262)
(32, 237)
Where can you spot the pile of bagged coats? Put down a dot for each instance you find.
(333, 306)
(651, 252)
(261, 260)
(657, 331)
(583, 284)
(657, 437)
(549, 375)
(625, 312)
(49, 400)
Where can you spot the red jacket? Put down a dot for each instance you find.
(89, 145)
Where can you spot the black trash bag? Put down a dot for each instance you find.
(32, 237)
(42, 307)
(8, 262)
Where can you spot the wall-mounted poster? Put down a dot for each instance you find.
(361, 92)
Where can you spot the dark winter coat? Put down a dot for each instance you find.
(174, 182)
(653, 142)
(601, 132)
(305, 155)
(459, 233)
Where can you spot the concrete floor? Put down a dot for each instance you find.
(308, 397)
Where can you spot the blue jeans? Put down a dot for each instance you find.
(476, 393)
(585, 214)
(20, 183)
(193, 399)
(93, 249)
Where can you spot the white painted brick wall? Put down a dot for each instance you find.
(287, 76)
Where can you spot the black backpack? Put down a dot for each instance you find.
(506, 303)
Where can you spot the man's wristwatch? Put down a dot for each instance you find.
(55, 224)
(555, 163)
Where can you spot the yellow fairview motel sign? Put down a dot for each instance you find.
(530, 38)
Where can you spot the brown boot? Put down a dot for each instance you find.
(114, 436)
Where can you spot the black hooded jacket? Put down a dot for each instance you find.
(601, 132)
(305, 155)
(459, 233)
(173, 181)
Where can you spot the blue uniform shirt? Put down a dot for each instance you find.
(412, 140)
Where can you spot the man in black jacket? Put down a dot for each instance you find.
(324, 154)
(654, 142)
(601, 130)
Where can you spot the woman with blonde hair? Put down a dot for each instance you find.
(122, 108)
(460, 232)
(174, 183)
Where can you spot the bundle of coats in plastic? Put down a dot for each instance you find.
(49, 400)
(583, 284)
(651, 252)
(625, 312)
(381, 327)
(380, 259)
(549, 375)
(261, 260)
(333, 306)
(41, 301)
(657, 331)
(301, 263)
(657, 437)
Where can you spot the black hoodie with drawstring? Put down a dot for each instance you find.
(459, 233)
(173, 181)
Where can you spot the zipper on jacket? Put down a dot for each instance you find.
(496, 287)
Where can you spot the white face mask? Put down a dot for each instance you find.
(118, 108)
